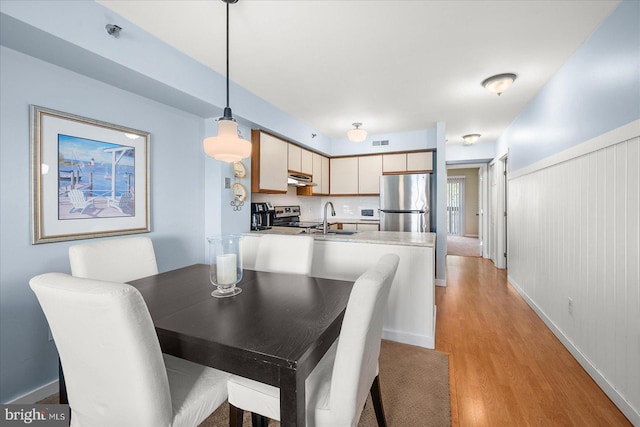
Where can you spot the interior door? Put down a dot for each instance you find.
(480, 211)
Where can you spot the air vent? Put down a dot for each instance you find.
(378, 143)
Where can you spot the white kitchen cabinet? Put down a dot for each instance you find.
(268, 163)
(407, 162)
(420, 162)
(295, 159)
(349, 226)
(368, 227)
(320, 173)
(306, 161)
(344, 176)
(394, 162)
(369, 172)
(325, 175)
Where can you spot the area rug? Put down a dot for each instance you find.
(415, 391)
(463, 246)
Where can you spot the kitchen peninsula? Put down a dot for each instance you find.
(410, 312)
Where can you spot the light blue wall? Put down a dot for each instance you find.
(27, 359)
(399, 141)
(596, 90)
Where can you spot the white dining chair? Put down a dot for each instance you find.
(279, 253)
(114, 260)
(114, 371)
(336, 390)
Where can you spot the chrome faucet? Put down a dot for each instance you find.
(324, 220)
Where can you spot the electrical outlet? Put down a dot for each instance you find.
(570, 306)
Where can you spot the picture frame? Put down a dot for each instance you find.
(88, 178)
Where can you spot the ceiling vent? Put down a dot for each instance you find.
(378, 143)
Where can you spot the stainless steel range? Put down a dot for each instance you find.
(289, 216)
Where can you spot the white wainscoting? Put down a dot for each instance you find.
(574, 233)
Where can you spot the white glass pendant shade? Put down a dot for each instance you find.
(227, 146)
(357, 134)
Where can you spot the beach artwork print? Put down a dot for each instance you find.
(96, 179)
(89, 178)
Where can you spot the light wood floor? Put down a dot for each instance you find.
(507, 368)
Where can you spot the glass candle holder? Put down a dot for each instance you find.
(225, 265)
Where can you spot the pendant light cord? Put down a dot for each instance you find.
(227, 54)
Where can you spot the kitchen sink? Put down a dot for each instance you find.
(340, 232)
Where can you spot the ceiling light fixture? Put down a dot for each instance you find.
(357, 134)
(227, 146)
(470, 139)
(499, 83)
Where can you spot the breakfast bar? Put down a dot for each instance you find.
(410, 312)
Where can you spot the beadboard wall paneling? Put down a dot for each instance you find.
(574, 233)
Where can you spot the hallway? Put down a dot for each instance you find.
(506, 367)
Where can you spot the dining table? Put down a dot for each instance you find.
(275, 331)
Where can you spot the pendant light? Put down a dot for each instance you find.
(357, 134)
(227, 146)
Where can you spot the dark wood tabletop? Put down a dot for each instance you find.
(274, 332)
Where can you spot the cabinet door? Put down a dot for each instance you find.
(349, 226)
(344, 175)
(420, 162)
(306, 160)
(369, 172)
(295, 153)
(394, 162)
(325, 175)
(269, 172)
(316, 173)
(368, 227)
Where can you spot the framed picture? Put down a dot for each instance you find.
(88, 178)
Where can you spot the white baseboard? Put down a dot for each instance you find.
(37, 394)
(409, 338)
(618, 400)
(441, 282)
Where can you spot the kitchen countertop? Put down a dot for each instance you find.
(334, 220)
(379, 237)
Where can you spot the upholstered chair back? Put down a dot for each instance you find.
(285, 254)
(115, 260)
(356, 363)
(110, 355)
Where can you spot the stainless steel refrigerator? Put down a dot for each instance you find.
(405, 202)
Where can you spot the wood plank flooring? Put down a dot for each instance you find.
(507, 367)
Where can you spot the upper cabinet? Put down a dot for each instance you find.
(320, 173)
(369, 171)
(295, 159)
(344, 176)
(268, 163)
(300, 160)
(420, 162)
(407, 162)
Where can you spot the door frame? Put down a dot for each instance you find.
(498, 231)
(483, 190)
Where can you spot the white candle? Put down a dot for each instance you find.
(227, 269)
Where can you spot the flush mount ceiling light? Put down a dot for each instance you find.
(227, 146)
(470, 139)
(357, 134)
(500, 83)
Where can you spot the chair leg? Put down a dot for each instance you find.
(235, 416)
(258, 420)
(376, 397)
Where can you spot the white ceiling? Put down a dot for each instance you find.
(392, 65)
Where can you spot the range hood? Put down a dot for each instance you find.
(300, 180)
